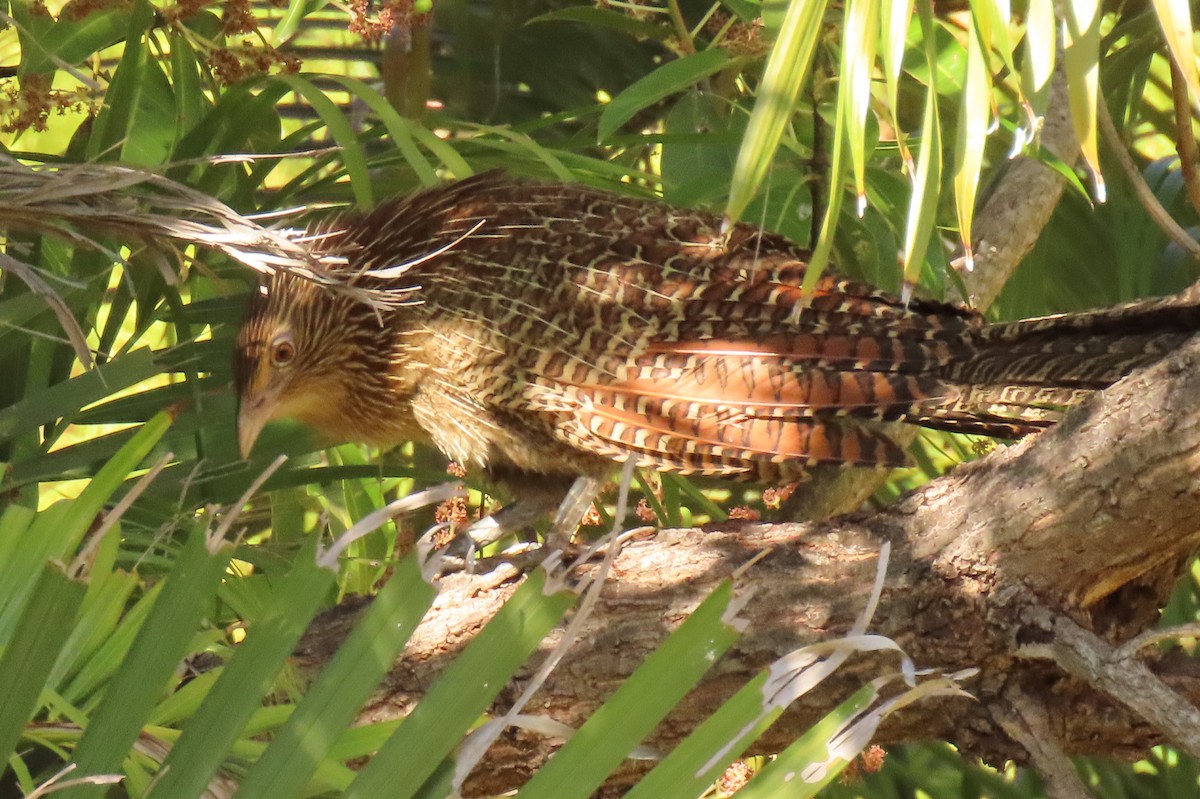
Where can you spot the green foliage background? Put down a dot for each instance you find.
(677, 99)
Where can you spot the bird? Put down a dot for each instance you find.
(540, 332)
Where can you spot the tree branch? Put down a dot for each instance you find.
(1125, 678)
(1025, 720)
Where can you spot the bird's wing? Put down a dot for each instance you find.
(720, 440)
(722, 407)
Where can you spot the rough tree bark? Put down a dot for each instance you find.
(1033, 564)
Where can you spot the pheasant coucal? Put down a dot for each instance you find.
(549, 330)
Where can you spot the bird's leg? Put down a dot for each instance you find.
(535, 497)
(574, 506)
(558, 541)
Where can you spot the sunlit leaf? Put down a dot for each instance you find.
(794, 772)
(896, 15)
(859, 37)
(990, 20)
(1175, 16)
(1037, 64)
(972, 134)
(330, 704)
(787, 66)
(71, 41)
(290, 22)
(833, 206)
(468, 685)
(208, 736)
(922, 211)
(1081, 44)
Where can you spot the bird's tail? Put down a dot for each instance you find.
(1023, 375)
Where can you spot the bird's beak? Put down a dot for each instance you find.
(253, 415)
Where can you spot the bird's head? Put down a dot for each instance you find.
(301, 355)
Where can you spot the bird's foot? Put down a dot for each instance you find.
(518, 517)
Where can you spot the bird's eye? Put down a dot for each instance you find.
(282, 351)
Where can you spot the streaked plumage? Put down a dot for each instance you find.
(552, 329)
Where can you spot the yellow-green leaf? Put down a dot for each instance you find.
(1175, 16)
(896, 16)
(972, 135)
(923, 208)
(989, 19)
(860, 34)
(1081, 44)
(833, 208)
(786, 69)
(1037, 65)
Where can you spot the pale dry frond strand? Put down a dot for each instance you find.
(30, 277)
(87, 205)
(84, 202)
